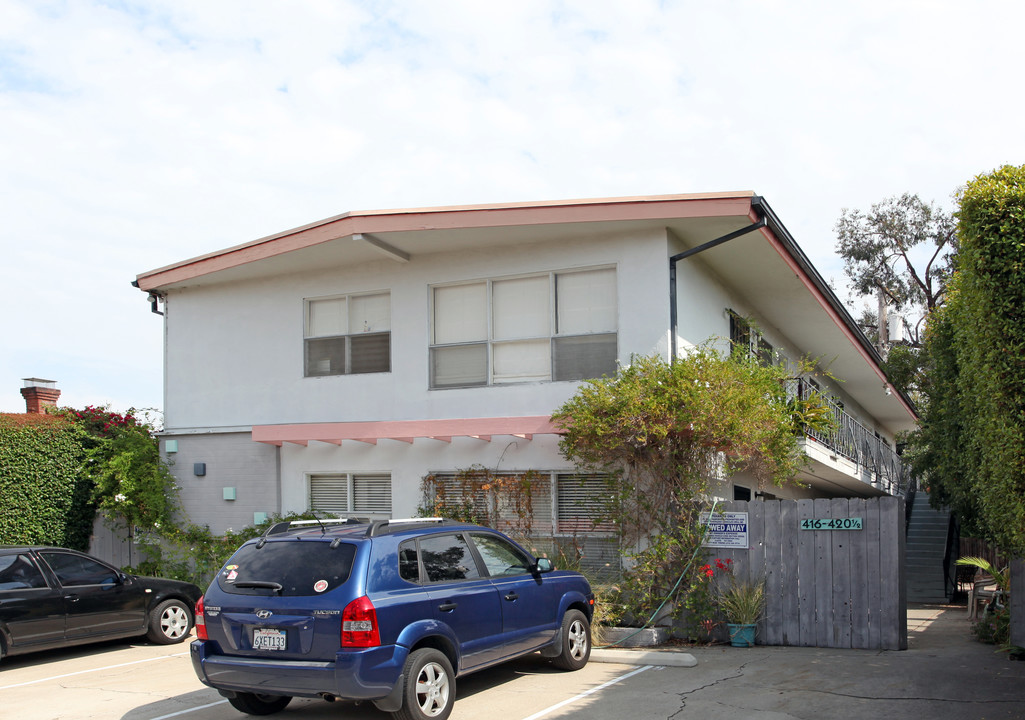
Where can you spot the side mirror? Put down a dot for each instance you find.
(544, 565)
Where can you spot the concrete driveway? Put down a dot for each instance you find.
(945, 674)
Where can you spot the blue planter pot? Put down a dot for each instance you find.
(742, 635)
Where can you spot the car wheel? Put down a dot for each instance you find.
(169, 622)
(576, 641)
(430, 686)
(254, 704)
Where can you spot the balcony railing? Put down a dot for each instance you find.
(877, 462)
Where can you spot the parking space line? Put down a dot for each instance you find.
(90, 670)
(190, 710)
(582, 695)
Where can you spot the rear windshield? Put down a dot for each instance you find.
(287, 568)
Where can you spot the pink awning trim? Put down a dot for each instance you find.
(405, 430)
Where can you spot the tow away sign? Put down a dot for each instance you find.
(725, 530)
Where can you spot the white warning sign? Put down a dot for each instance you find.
(725, 530)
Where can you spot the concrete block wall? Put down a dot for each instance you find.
(232, 461)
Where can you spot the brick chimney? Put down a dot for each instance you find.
(39, 394)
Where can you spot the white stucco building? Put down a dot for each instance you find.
(337, 364)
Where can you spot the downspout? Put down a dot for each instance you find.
(690, 253)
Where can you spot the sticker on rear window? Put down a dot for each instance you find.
(232, 575)
(320, 585)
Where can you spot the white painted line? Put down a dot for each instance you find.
(90, 670)
(582, 695)
(190, 710)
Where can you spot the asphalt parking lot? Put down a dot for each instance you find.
(129, 681)
(943, 675)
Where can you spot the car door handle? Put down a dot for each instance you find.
(72, 598)
(512, 596)
(448, 607)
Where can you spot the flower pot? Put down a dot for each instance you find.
(742, 635)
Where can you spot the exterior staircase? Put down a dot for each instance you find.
(926, 546)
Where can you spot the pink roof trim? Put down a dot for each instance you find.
(404, 430)
(456, 217)
(831, 311)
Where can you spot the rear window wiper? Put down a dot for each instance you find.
(276, 587)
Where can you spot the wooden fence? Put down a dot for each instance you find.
(837, 588)
(112, 544)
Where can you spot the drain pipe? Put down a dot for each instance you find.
(691, 253)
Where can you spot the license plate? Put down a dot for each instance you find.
(264, 639)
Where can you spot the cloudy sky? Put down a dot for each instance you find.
(137, 133)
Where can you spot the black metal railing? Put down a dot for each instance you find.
(878, 464)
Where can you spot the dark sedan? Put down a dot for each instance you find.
(53, 597)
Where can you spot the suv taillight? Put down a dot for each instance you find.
(359, 624)
(200, 621)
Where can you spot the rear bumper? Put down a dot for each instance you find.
(365, 674)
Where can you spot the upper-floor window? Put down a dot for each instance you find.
(551, 326)
(348, 334)
(744, 337)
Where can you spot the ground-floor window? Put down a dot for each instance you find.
(350, 493)
(561, 515)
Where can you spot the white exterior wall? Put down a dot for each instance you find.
(702, 302)
(235, 359)
(409, 463)
(235, 351)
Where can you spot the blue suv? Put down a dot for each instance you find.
(392, 612)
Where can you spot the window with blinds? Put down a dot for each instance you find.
(349, 334)
(581, 503)
(550, 326)
(344, 493)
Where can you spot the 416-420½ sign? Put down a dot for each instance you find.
(831, 524)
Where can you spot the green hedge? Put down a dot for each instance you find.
(990, 325)
(974, 428)
(45, 495)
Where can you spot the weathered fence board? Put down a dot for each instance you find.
(826, 588)
(112, 544)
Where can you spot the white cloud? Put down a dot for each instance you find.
(134, 134)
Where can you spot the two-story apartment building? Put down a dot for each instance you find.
(336, 365)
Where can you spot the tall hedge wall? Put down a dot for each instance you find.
(987, 314)
(45, 493)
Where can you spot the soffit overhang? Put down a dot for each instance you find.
(360, 237)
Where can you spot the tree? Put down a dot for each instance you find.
(974, 422)
(130, 480)
(902, 251)
(661, 432)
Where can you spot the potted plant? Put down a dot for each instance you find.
(742, 602)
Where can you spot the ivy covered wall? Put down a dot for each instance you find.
(45, 493)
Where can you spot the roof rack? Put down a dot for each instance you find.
(380, 526)
(286, 525)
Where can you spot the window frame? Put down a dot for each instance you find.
(746, 337)
(560, 525)
(471, 555)
(346, 338)
(16, 585)
(48, 556)
(493, 344)
(351, 479)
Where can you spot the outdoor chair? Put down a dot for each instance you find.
(983, 590)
